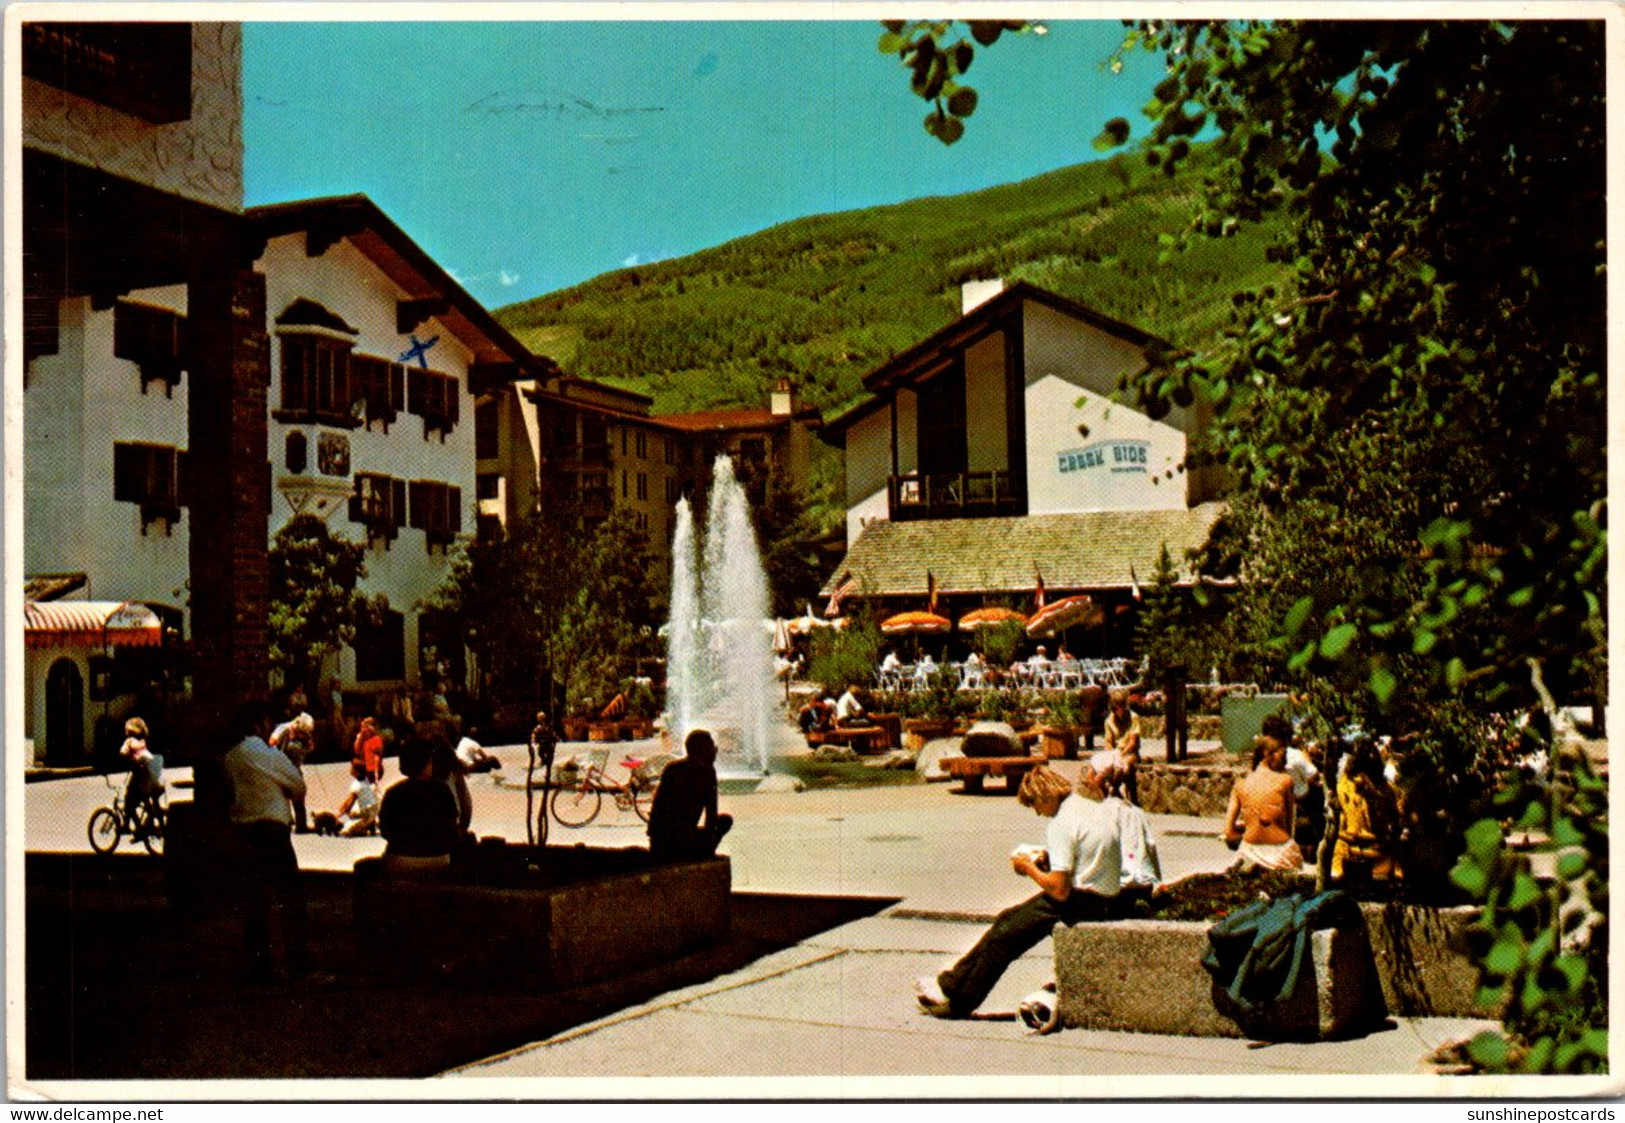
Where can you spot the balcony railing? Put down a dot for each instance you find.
(954, 495)
(575, 457)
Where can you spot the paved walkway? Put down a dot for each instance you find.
(839, 1007)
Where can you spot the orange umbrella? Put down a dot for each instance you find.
(916, 623)
(988, 618)
(1068, 612)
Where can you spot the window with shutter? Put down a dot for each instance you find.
(153, 339)
(148, 476)
(379, 503)
(316, 382)
(435, 398)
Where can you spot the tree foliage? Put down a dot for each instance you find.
(608, 621)
(315, 606)
(1414, 418)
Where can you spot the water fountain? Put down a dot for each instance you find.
(719, 654)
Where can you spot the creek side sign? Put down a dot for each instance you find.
(1111, 456)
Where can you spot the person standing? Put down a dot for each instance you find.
(296, 738)
(1079, 875)
(1259, 818)
(263, 783)
(366, 762)
(544, 745)
(683, 823)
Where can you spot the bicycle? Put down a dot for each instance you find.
(108, 825)
(577, 803)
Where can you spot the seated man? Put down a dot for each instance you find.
(818, 715)
(1122, 734)
(472, 755)
(419, 815)
(1079, 875)
(688, 791)
(849, 711)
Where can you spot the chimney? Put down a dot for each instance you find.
(973, 293)
(782, 403)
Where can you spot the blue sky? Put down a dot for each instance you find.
(529, 156)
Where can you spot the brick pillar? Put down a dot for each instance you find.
(226, 435)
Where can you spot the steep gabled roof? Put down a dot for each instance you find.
(979, 321)
(429, 289)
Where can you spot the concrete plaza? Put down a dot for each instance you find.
(835, 1010)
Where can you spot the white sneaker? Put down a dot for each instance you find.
(930, 996)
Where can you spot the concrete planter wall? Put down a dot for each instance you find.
(1146, 976)
(549, 935)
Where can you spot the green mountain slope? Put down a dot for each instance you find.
(825, 300)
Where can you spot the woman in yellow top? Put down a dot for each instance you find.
(1368, 827)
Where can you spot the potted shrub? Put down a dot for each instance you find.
(933, 705)
(1062, 725)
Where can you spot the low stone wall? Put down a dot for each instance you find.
(1146, 976)
(551, 929)
(1198, 727)
(1187, 789)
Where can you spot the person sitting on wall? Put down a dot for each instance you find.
(818, 715)
(849, 711)
(683, 823)
(1307, 797)
(1368, 826)
(1142, 865)
(419, 815)
(1079, 874)
(1258, 821)
(1122, 736)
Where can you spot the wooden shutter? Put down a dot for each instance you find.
(129, 474)
(454, 500)
(417, 518)
(397, 502)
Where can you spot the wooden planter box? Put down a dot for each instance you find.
(918, 731)
(575, 728)
(1059, 742)
(604, 731)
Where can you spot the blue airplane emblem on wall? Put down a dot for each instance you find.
(419, 351)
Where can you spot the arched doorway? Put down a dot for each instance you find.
(64, 714)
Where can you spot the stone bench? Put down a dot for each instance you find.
(972, 770)
(579, 917)
(1146, 976)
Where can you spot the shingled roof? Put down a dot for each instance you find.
(1093, 550)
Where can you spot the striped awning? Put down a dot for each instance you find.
(90, 623)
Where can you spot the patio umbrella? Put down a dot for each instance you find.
(916, 624)
(991, 617)
(1068, 612)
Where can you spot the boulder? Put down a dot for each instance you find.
(929, 761)
(835, 754)
(992, 738)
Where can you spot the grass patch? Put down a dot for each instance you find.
(846, 774)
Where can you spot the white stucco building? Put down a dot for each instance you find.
(993, 454)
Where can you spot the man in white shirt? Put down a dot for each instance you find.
(1040, 658)
(890, 662)
(1079, 877)
(263, 783)
(848, 710)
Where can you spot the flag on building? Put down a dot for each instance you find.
(1038, 588)
(930, 592)
(847, 586)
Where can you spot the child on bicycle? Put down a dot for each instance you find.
(146, 768)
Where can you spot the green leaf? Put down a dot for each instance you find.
(1114, 134)
(1574, 970)
(1455, 673)
(1298, 615)
(962, 103)
(1422, 641)
(1571, 865)
(1483, 838)
(1301, 657)
(1471, 878)
(1336, 641)
(1383, 684)
(891, 43)
(1520, 597)
(1524, 892)
(1488, 1049)
(1505, 955)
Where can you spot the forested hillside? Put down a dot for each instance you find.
(826, 299)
